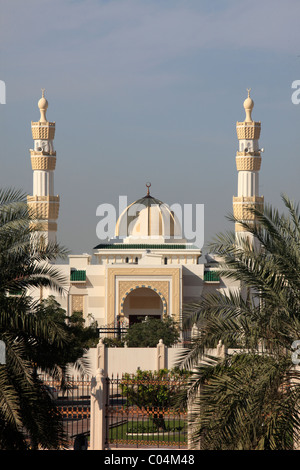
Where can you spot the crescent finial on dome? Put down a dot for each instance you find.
(148, 185)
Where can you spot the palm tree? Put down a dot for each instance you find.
(27, 415)
(250, 399)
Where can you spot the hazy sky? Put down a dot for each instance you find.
(149, 90)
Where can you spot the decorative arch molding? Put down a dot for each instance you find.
(159, 287)
(166, 281)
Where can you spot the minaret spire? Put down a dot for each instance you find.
(248, 163)
(43, 205)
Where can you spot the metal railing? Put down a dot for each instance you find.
(139, 413)
(73, 403)
(116, 332)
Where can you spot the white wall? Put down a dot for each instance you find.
(127, 360)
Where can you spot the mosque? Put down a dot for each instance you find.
(148, 268)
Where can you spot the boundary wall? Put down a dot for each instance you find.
(107, 362)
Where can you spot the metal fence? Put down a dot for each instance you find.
(139, 413)
(112, 332)
(118, 329)
(73, 402)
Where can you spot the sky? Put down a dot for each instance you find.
(149, 91)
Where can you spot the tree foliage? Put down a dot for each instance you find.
(250, 400)
(148, 332)
(153, 391)
(80, 337)
(28, 418)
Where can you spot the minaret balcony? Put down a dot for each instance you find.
(43, 130)
(247, 162)
(43, 152)
(43, 226)
(243, 207)
(248, 130)
(39, 161)
(43, 207)
(248, 154)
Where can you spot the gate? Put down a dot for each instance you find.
(73, 403)
(140, 413)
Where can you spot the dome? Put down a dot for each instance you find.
(148, 220)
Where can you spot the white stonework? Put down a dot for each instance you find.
(151, 269)
(43, 204)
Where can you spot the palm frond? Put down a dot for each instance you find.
(249, 399)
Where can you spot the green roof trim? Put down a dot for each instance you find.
(77, 276)
(13, 292)
(129, 246)
(211, 276)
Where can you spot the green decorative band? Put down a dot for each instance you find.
(128, 246)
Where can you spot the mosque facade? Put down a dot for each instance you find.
(148, 268)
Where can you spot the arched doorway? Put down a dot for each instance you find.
(140, 303)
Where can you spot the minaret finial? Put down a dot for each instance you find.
(43, 105)
(148, 185)
(248, 106)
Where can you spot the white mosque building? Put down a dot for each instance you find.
(148, 268)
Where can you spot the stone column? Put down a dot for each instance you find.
(98, 421)
(101, 356)
(195, 331)
(98, 401)
(221, 350)
(161, 355)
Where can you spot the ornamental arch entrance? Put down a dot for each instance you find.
(123, 280)
(142, 302)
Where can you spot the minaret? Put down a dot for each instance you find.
(248, 162)
(43, 205)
